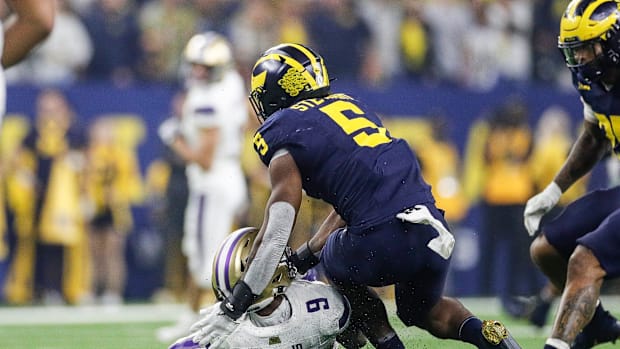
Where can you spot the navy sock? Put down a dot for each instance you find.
(471, 331)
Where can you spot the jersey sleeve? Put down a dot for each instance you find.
(275, 134)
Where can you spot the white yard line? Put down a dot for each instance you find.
(14, 315)
(89, 314)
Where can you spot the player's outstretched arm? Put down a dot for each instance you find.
(31, 22)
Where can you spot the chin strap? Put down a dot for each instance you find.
(240, 300)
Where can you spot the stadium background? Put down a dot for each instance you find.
(424, 82)
(403, 101)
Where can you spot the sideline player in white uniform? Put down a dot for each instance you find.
(209, 138)
(31, 21)
(291, 313)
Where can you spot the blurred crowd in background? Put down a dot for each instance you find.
(470, 43)
(88, 219)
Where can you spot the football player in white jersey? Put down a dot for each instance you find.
(30, 22)
(291, 313)
(209, 137)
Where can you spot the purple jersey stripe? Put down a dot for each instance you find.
(204, 110)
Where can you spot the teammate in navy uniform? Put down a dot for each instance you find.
(578, 250)
(384, 229)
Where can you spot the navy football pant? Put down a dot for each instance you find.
(594, 222)
(393, 252)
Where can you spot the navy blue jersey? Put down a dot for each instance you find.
(606, 106)
(346, 158)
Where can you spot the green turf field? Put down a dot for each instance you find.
(134, 326)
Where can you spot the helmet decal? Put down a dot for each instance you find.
(293, 82)
(284, 75)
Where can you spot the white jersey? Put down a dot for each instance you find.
(220, 105)
(318, 314)
(217, 196)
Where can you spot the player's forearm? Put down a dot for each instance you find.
(331, 223)
(32, 22)
(271, 246)
(587, 151)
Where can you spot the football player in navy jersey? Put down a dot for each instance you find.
(384, 228)
(578, 249)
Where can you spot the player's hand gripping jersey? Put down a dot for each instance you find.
(362, 155)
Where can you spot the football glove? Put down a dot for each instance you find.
(169, 130)
(212, 330)
(302, 259)
(540, 204)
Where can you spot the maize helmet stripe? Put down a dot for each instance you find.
(293, 63)
(583, 20)
(317, 65)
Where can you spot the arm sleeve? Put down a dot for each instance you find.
(279, 226)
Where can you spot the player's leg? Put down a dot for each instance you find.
(341, 263)
(368, 316)
(594, 260)
(579, 300)
(551, 250)
(584, 221)
(420, 303)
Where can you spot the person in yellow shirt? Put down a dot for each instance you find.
(507, 271)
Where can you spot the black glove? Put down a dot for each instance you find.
(240, 300)
(303, 259)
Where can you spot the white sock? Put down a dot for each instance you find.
(557, 343)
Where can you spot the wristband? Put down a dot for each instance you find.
(303, 259)
(240, 300)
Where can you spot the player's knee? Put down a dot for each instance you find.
(541, 251)
(583, 265)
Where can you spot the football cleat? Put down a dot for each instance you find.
(539, 315)
(498, 336)
(591, 336)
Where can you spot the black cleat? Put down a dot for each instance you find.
(498, 336)
(540, 313)
(590, 337)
